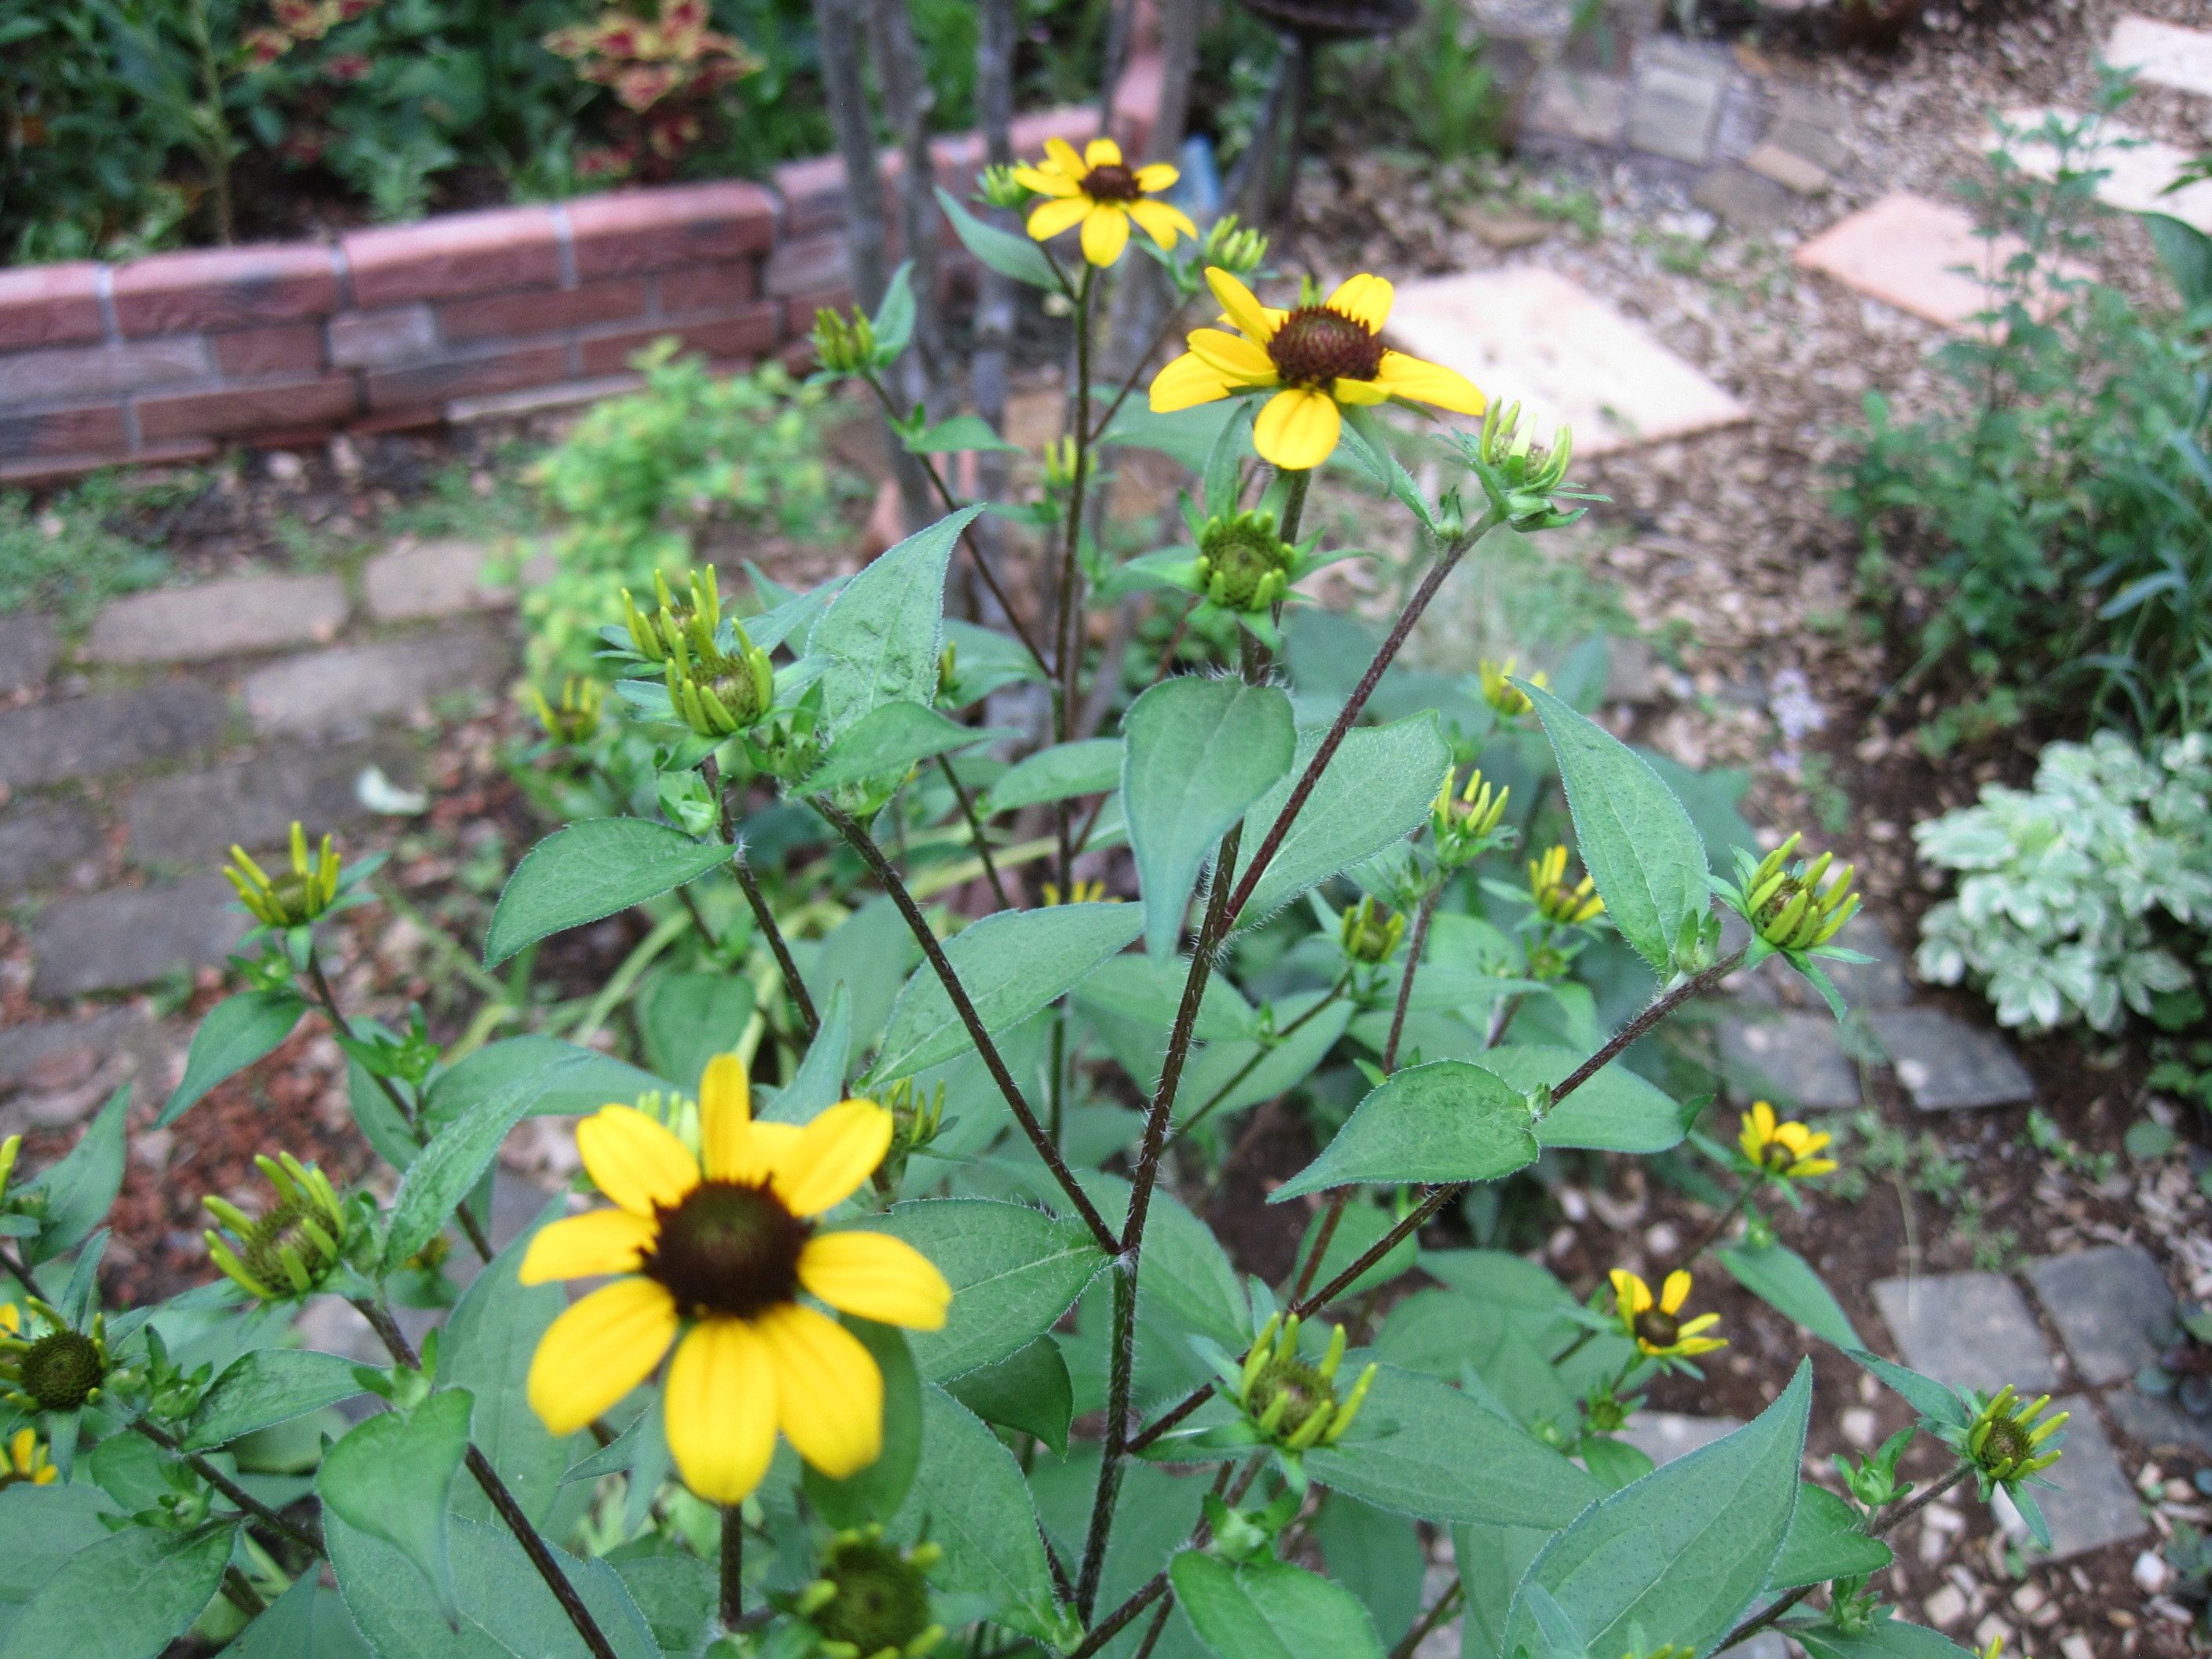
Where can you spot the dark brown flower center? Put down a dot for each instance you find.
(62, 1369)
(882, 1603)
(728, 1248)
(1779, 1157)
(1661, 1330)
(1111, 183)
(2007, 1443)
(1316, 345)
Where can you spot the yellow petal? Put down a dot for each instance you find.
(10, 1321)
(1102, 153)
(1105, 233)
(1702, 1323)
(597, 1351)
(878, 1276)
(20, 1448)
(1675, 1292)
(829, 1393)
(1762, 1114)
(590, 1246)
(1235, 356)
(1049, 219)
(1060, 154)
(1187, 382)
(719, 1409)
(1297, 430)
(1359, 394)
(1243, 305)
(1156, 178)
(1429, 383)
(832, 1156)
(1162, 222)
(1043, 182)
(1365, 300)
(726, 1112)
(1630, 1291)
(635, 1161)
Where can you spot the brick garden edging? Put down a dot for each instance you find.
(165, 358)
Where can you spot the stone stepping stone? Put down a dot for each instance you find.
(1675, 106)
(2162, 54)
(1528, 334)
(1907, 251)
(327, 692)
(1967, 1331)
(83, 737)
(412, 580)
(132, 936)
(41, 840)
(1794, 1059)
(26, 651)
(57, 1072)
(1947, 1066)
(2159, 1425)
(2138, 169)
(219, 619)
(194, 818)
(2109, 1303)
(2094, 1504)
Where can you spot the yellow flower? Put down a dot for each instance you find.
(1314, 358)
(719, 1255)
(1653, 1326)
(1499, 692)
(27, 1460)
(299, 895)
(1083, 892)
(1555, 900)
(1101, 192)
(1788, 1150)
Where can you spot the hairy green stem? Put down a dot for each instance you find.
(1446, 1605)
(229, 1488)
(975, 829)
(763, 917)
(734, 1566)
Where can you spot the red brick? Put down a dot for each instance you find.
(224, 288)
(281, 349)
(236, 411)
(813, 192)
(536, 312)
(1137, 102)
(1077, 123)
(708, 287)
(60, 469)
(50, 305)
(458, 253)
(430, 386)
(808, 264)
(629, 231)
(739, 337)
(38, 377)
(93, 428)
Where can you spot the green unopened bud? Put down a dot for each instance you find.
(718, 696)
(1242, 564)
(290, 1250)
(871, 1599)
(694, 617)
(1796, 907)
(297, 896)
(1467, 824)
(575, 717)
(1238, 249)
(844, 345)
(1369, 933)
(8, 1149)
(51, 1366)
(1530, 480)
(1292, 1403)
(2006, 1442)
(1499, 692)
(1062, 465)
(1001, 187)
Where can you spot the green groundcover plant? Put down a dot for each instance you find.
(898, 1336)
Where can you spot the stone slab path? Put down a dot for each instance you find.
(1922, 256)
(2162, 54)
(2138, 170)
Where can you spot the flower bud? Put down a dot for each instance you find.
(24, 1462)
(1238, 249)
(1083, 892)
(844, 345)
(654, 634)
(1558, 900)
(8, 1149)
(293, 898)
(1501, 694)
(1369, 933)
(1001, 187)
(291, 1249)
(1289, 1402)
(1242, 564)
(1466, 826)
(870, 1599)
(2005, 1442)
(1798, 907)
(56, 1368)
(718, 696)
(1061, 465)
(575, 718)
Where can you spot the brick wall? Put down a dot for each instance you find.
(167, 358)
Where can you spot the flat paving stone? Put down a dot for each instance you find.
(2158, 1425)
(196, 816)
(219, 619)
(2109, 1303)
(430, 579)
(2136, 169)
(1743, 199)
(1919, 256)
(1526, 333)
(329, 692)
(1662, 1437)
(1676, 104)
(1881, 983)
(1587, 107)
(2094, 1504)
(132, 936)
(1967, 1330)
(41, 840)
(26, 651)
(1786, 167)
(1947, 1065)
(2162, 54)
(55, 1072)
(82, 737)
(1795, 1059)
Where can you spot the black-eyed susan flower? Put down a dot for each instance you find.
(291, 1249)
(297, 896)
(23, 1462)
(712, 1254)
(1784, 1149)
(2007, 1443)
(1100, 191)
(1468, 823)
(56, 1368)
(1793, 906)
(1316, 359)
(1657, 1325)
(1081, 892)
(1567, 904)
(1291, 1401)
(869, 1599)
(1499, 692)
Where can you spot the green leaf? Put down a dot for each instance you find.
(678, 1593)
(1200, 752)
(267, 1386)
(393, 1477)
(1615, 1461)
(1264, 1609)
(81, 1189)
(1003, 251)
(1378, 787)
(887, 741)
(874, 1493)
(590, 870)
(488, 1345)
(446, 1170)
(1447, 1120)
(1358, 1230)
(1028, 1391)
(1151, 992)
(127, 1596)
(1089, 767)
(1931, 1399)
(969, 1497)
(1490, 1561)
(42, 1528)
(1379, 1558)
(1011, 964)
(1635, 838)
(1785, 1281)
(2186, 253)
(1826, 1541)
(236, 1032)
(1685, 1549)
(1184, 1278)
(1616, 1111)
(686, 1019)
(1283, 1065)
(820, 1082)
(1889, 1638)
(557, 1078)
(893, 323)
(881, 635)
(305, 1622)
(1421, 1447)
(1014, 1271)
(958, 434)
